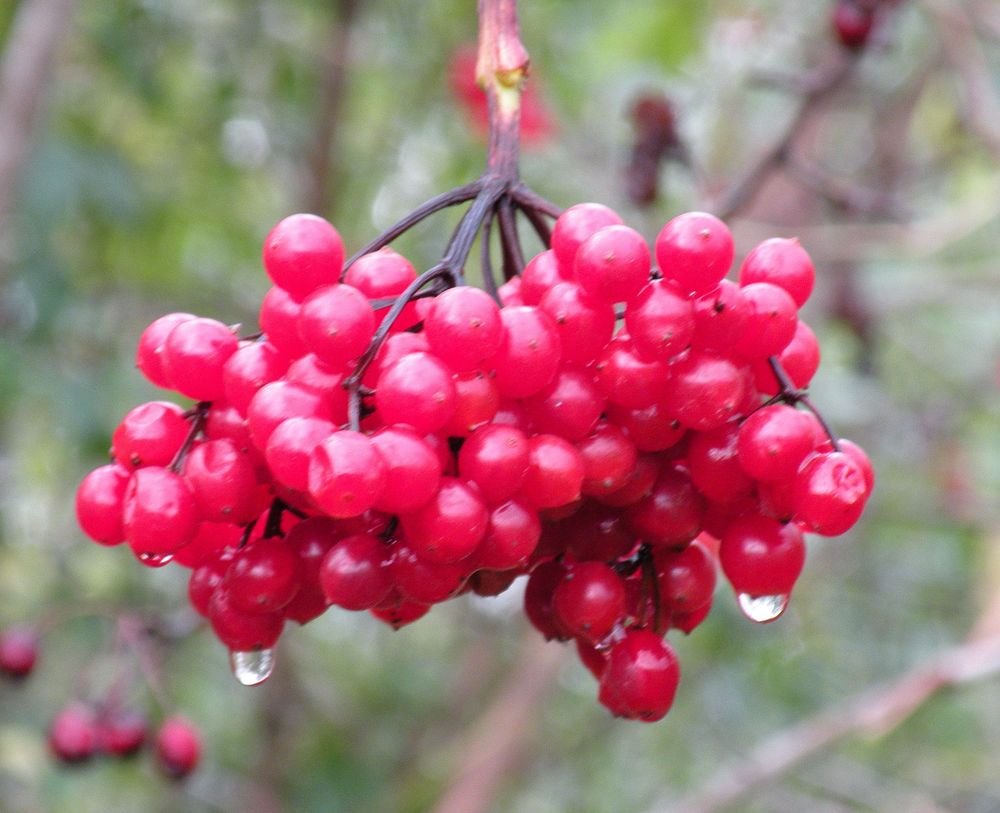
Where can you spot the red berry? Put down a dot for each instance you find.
(412, 469)
(574, 226)
(555, 472)
(538, 595)
(240, 631)
(178, 747)
(263, 576)
(18, 651)
(830, 493)
(303, 252)
(159, 512)
(421, 581)
(762, 557)
(450, 526)
(852, 23)
(149, 353)
(463, 327)
(252, 366)
(584, 324)
(353, 573)
(720, 317)
(612, 265)
(626, 378)
(671, 514)
(705, 390)
(223, 481)
(569, 405)
(310, 540)
(540, 275)
(100, 499)
(695, 250)
(417, 390)
(476, 403)
(149, 435)
(590, 600)
(660, 320)
(279, 319)
(73, 734)
(714, 464)
(511, 536)
(641, 677)
(194, 355)
(782, 262)
(770, 322)
(496, 459)
(122, 733)
(336, 323)
(608, 459)
(346, 474)
(773, 441)
(277, 402)
(529, 352)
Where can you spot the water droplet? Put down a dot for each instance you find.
(762, 609)
(253, 667)
(155, 559)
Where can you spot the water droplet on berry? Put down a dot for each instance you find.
(253, 667)
(155, 559)
(762, 609)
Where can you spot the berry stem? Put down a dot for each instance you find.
(486, 261)
(198, 417)
(513, 256)
(436, 204)
(791, 394)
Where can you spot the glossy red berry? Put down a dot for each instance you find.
(253, 365)
(829, 493)
(263, 576)
(223, 481)
(149, 353)
(695, 250)
(346, 474)
(279, 319)
(574, 226)
(417, 390)
(240, 631)
(511, 536)
(771, 320)
(149, 434)
(450, 526)
(194, 355)
(705, 390)
(660, 320)
(529, 352)
(336, 323)
(303, 252)
(353, 573)
(412, 469)
(100, 499)
(782, 262)
(463, 327)
(612, 265)
(555, 472)
(762, 557)
(590, 600)
(159, 512)
(641, 677)
(773, 441)
(584, 324)
(569, 405)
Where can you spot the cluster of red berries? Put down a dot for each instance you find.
(79, 732)
(592, 431)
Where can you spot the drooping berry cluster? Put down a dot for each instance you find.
(614, 429)
(78, 733)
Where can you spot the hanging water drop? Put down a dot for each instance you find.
(155, 559)
(253, 667)
(762, 609)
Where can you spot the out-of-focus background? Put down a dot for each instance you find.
(147, 146)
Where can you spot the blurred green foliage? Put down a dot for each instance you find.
(177, 133)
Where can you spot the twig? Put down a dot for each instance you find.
(980, 107)
(322, 161)
(497, 741)
(874, 712)
(25, 68)
(742, 192)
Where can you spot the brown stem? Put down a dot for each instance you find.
(498, 741)
(501, 69)
(27, 63)
(323, 158)
(875, 711)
